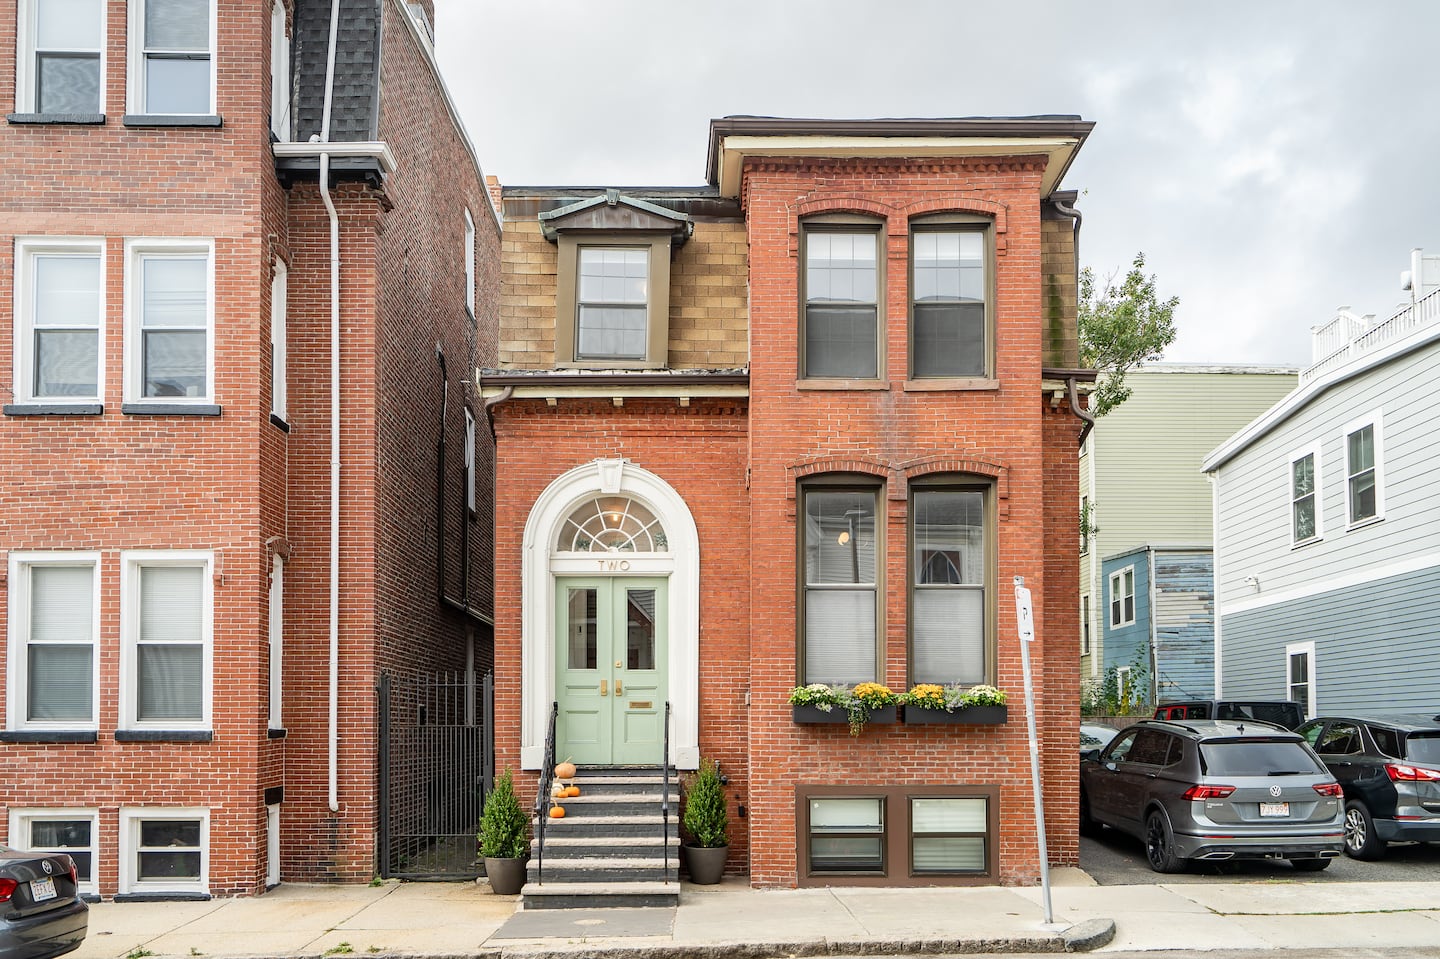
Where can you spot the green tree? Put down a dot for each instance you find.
(1121, 327)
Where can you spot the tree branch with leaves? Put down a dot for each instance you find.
(1121, 327)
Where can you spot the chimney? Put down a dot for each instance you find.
(493, 185)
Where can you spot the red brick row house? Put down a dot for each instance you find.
(803, 424)
(226, 508)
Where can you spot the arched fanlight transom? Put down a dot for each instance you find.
(612, 524)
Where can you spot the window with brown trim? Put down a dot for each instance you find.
(840, 568)
(951, 298)
(951, 569)
(842, 287)
(613, 301)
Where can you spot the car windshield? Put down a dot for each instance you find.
(1423, 748)
(1257, 757)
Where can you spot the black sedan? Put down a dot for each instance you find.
(41, 914)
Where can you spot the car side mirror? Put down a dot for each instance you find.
(1090, 755)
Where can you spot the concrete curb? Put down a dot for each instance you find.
(1088, 935)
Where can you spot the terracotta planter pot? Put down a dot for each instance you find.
(975, 715)
(706, 864)
(814, 715)
(506, 876)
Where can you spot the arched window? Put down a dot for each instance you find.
(612, 524)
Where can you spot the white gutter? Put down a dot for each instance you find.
(1215, 567)
(334, 737)
(367, 149)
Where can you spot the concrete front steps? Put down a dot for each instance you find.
(611, 850)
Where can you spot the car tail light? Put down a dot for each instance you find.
(1207, 792)
(1402, 773)
(74, 876)
(7, 887)
(1328, 789)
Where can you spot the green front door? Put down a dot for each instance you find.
(610, 662)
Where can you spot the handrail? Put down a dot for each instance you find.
(542, 795)
(665, 798)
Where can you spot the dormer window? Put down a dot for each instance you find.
(612, 302)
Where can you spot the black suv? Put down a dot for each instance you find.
(1389, 767)
(1276, 712)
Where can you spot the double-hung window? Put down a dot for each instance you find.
(1122, 597)
(59, 328)
(949, 570)
(166, 645)
(277, 642)
(612, 303)
(842, 282)
(60, 57)
(469, 263)
(279, 73)
(1364, 494)
(164, 850)
(840, 569)
(279, 359)
(74, 832)
(1305, 516)
(1300, 676)
(170, 322)
(470, 462)
(949, 301)
(54, 621)
(172, 57)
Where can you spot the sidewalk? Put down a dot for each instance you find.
(733, 920)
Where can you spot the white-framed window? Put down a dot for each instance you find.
(59, 319)
(164, 849)
(279, 73)
(272, 845)
(169, 321)
(470, 460)
(1300, 676)
(1085, 625)
(172, 57)
(1122, 597)
(74, 832)
(61, 57)
(1123, 690)
(1364, 473)
(54, 608)
(1307, 521)
(166, 625)
(469, 262)
(1084, 525)
(277, 641)
(279, 363)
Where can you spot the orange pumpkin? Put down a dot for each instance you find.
(572, 791)
(557, 812)
(565, 770)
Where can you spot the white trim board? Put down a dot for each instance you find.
(1319, 587)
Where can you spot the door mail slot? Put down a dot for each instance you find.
(640, 705)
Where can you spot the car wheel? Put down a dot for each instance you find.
(1360, 839)
(1310, 865)
(1160, 845)
(1089, 825)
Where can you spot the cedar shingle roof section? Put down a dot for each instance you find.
(354, 114)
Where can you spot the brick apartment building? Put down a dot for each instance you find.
(802, 424)
(201, 592)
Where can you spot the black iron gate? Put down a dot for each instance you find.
(436, 765)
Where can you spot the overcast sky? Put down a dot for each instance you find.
(1274, 160)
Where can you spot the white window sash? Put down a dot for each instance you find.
(131, 566)
(27, 251)
(21, 566)
(470, 460)
(1375, 421)
(277, 643)
(140, 54)
(131, 820)
(27, 79)
(22, 821)
(279, 360)
(136, 252)
(279, 73)
(469, 263)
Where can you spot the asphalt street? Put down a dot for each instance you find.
(1115, 859)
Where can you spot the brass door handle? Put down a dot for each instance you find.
(603, 684)
(619, 687)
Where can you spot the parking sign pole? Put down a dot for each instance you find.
(1025, 625)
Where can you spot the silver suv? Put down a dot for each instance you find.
(1214, 790)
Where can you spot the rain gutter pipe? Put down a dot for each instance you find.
(1066, 209)
(334, 733)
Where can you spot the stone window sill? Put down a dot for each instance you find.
(168, 120)
(56, 119)
(54, 409)
(170, 409)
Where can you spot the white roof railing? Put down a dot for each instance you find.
(1349, 336)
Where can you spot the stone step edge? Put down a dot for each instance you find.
(608, 862)
(618, 888)
(618, 820)
(563, 841)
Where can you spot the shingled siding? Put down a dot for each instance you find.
(354, 114)
(1184, 625)
(708, 305)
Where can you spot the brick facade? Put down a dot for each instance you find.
(238, 487)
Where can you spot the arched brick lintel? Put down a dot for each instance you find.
(974, 466)
(962, 204)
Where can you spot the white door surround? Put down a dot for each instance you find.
(541, 562)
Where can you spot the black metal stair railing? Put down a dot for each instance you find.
(542, 795)
(665, 798)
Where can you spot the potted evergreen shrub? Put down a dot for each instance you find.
(707, 824)
(504, 837)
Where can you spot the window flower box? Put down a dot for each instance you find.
(854, 706)
(977, 705)
(977, 715)
(815, 716)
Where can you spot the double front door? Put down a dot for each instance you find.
(611, 660)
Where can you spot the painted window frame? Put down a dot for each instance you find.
(138, 55)
(955, 483)
(840, 483)
(848, 225)
(22, 819)
(27, 250)
(272, 845)
(27, 79)
(567, 299)
(897, 835)
(469, 263)
(1085, 625)
(967, 223)
(470, 467)
(137, 250)
(276, 634)
(20, 565)
(1306, 649)
(1117, 615)
(1085, 525)
(1375, 421)
(279, 342)
(131, 563)
(280, 127)
(131, 820)
(1316, 494)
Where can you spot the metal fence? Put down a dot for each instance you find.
(436, 767)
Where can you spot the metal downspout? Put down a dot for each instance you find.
(1066, 210)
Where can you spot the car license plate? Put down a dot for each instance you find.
(1274, 809)
(42, 889)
